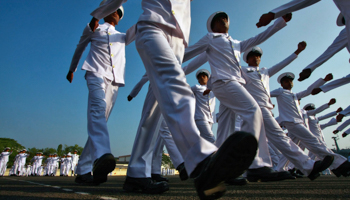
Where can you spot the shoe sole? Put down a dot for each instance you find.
(103, 167)
(326, 162)
(240, 150)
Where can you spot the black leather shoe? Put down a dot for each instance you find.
(159, 178)
(342, 170)
(102, 167)
(146, 185)
(233, 157)
(85, 179)
(294, 173)
(320, 166)
(266, 174)
(182, 172)
(237, 181)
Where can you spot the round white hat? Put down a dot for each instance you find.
(286, 74)
(203, 71)
(121, 8)
(255, 49)
(309, 105)
(210, 19)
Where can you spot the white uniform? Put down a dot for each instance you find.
(336, 83)
(68, 163)
(39, 168)
(63, 166)
(343, 6)
(3, 162)
(75, 159)
(258, 87)
(105, 67)
(346, 111)
(331, 122)
(22, 162)
(291, 117)
(162, 34)
(227, 81)
(343, 125)
(205, 111)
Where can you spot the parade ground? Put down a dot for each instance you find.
(325, 187)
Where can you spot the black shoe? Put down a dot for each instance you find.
(299, 172)
(159, 178)
(342, 170)
(320, 166)
(102, 167)
(233, 157)
(182, 172)
(294, 173)
(146, 185)
(237, 181)
(266, 174)
(85, 179)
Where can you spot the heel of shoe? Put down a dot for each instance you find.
(130, 188)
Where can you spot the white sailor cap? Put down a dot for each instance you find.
(210, 19)
(340, 19)
(120, 8)
(69, 154)
(24, 149)
(255, 49)
(204, 71)
(7, 148)
(313, 107)
(286, 74)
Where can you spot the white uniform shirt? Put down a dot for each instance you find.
(107, 52)
(340, 42)
(224, 53)
(5, 156)
(288, 106)
(69, 160)
(345, 111)
(75, 158)
(331, 122)
(313, 121)
(259, 81)
(205, 104)
(343, 125)
(175, 14)
(23, 157)
(336, 83)
(39, 160)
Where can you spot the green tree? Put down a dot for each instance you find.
(59, 150)
(166, 160)
(72, 148)
(14, 146)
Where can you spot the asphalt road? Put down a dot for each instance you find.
(325, 187)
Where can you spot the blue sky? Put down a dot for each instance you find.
(39, 108)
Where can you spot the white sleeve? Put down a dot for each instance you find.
(130, 35)
(276, 92)
(340, 42)
(331, 122)
(326, 116)
(196, 49)
(196, 63)
(263, 36)
(83, 42)
(308, 91)
(292, 6)
(107, 8)
(336, 83)
(278, 67)
(343, 125)
(345, 111)
(318, 110)
(139, 86)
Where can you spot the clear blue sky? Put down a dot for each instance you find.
(39, 108)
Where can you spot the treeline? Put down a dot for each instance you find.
(16, 148)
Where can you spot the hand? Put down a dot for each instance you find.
(344, 135)
(328, 77)
(339, 117)
(287, 17)
(70, 76)
(304, 74)
(207, 91)
(301, 47)
(316, 91)
(265, 19)
(332, 101)
(130, 98)
(335, 131)
(93, 24)
(339, 109)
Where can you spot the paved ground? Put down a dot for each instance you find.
(325, 187)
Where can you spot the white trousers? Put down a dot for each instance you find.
(205, 129)
(3, 167)
(284, 144)
(312, 143)
(161, 50)
(62, 169)
(236, 98)
(165, 138)
(102, 96)
(226, 125)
